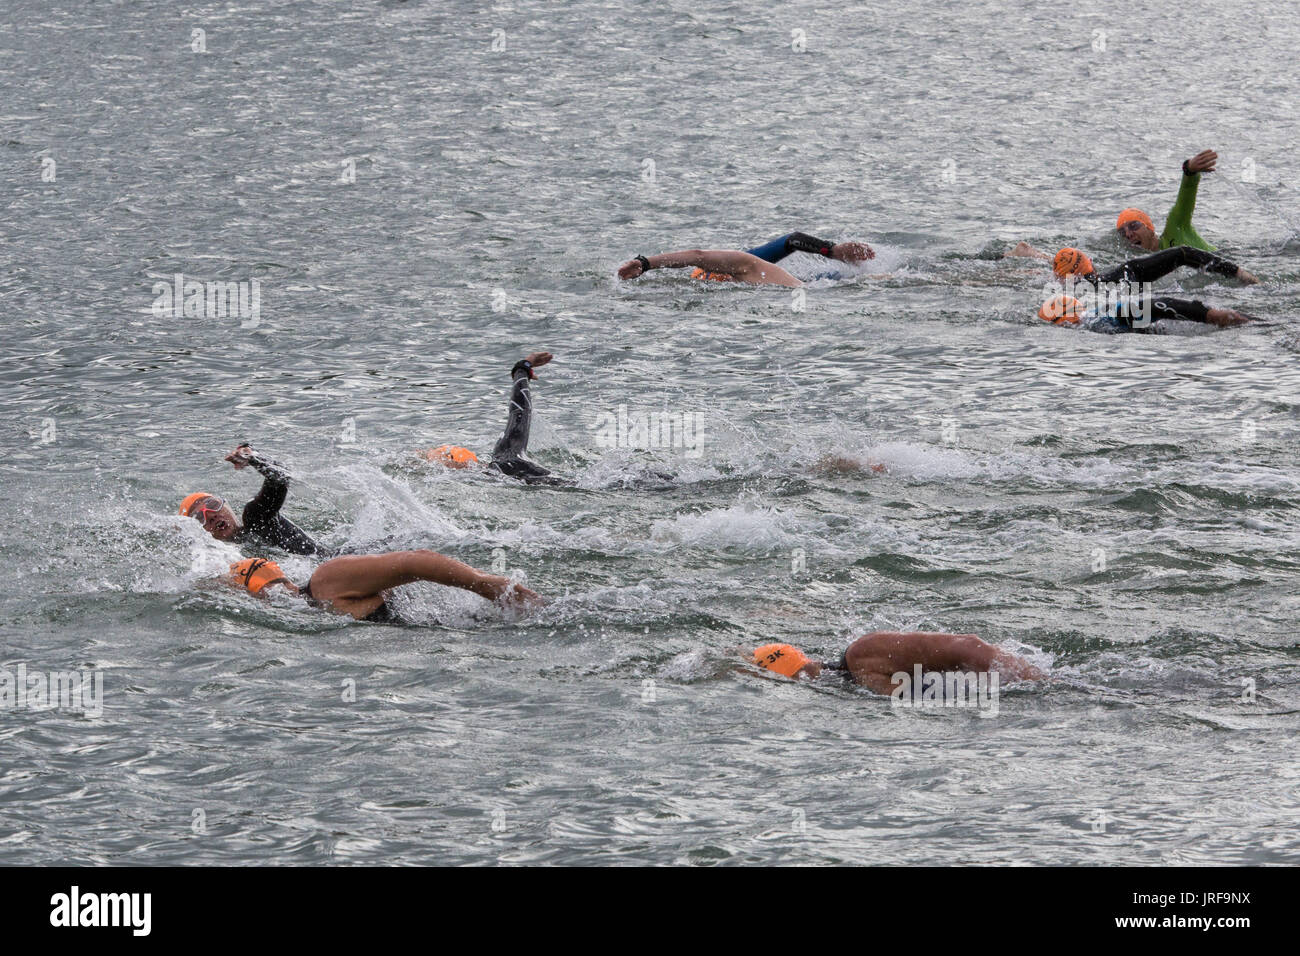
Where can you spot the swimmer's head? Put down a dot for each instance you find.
(698, 273)
(1062, 310)
(257, 574)
(211, 512)
(453, 456)
(1071, 262)
(786, 660)
(1138, 229)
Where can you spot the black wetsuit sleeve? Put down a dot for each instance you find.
(262, 515)
(1160, 264)
(507, 455)
(1163, 307)
(275, 488)
(802, 242)
(514, 442)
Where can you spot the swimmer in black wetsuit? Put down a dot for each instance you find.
(358, 585)
(261, 517)
(1135, 314)
(1157, 265)
(507, 455)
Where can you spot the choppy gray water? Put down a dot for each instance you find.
(1123, 509)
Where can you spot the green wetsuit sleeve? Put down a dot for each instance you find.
(1178, 227)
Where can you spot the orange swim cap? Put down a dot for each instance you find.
(698, 273)
(453, 456)
(783, 659)
(257, 573)
(1134, 215)
(1071, 262)
(187, 506)
(1061, 310)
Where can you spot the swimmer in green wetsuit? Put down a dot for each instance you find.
(1136, 226)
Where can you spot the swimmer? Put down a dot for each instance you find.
(359, 585)
(873, 660)
(1135, 315)
(1073, 262)
(758, 266)
(261, 519)
(507, 456)
(1136, 227)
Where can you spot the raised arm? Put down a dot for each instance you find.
(514, 441)
(275, 486)
(1180, 216)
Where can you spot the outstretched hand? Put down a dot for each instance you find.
(852, 252)
(241, 456)
(509, 594)
(1203, 162)
(521, 598)
(1225, 318)
(538, 359)
(630, 269)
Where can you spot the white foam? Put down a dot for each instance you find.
(739, 526)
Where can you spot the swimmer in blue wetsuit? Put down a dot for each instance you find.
(757, 266)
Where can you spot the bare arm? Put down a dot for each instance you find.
(358, 577)
(740, 265)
